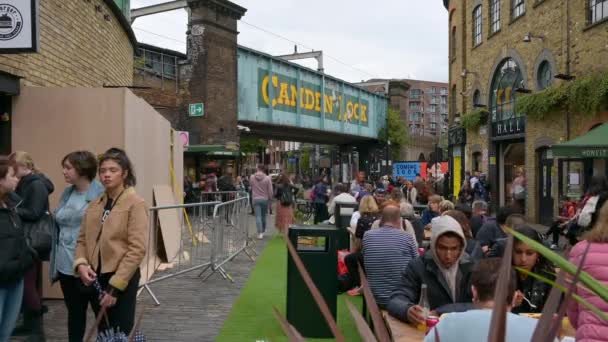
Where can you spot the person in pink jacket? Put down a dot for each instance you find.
(589, 327)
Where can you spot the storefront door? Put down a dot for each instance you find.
(5, 125)
(545, 194)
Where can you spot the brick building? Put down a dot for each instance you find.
(499, 51)
(82, 44)
(423, 106)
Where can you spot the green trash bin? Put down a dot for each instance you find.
(316, 246)
(343, 212)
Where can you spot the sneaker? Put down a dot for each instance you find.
(260, 236)
(354, 292)
(554, 247)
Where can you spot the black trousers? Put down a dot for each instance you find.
(351, 261)
(122, 315)
(321, 213)
(555, 230)
(76, 301)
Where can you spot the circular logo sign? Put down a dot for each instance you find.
(11, 22)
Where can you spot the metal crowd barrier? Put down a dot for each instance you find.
(230, 235)
(190, 249)
(212, 233)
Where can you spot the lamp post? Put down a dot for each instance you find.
(388, 155)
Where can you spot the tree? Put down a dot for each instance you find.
(251, 144)
(397, 132)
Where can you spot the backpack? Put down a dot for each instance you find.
(286, 196)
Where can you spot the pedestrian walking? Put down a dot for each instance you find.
(79, 170)
(15, 256)
(112, 243)
(261, 194)
(286, 194)
(320, 199)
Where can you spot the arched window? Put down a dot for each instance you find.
(507, 78)
(544, 75)
(494, 16)
(477, 24)
(476, 98)
(453, 52)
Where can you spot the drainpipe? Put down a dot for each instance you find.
(568, 64)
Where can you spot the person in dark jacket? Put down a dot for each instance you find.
(15, 256)
(432, 211)
(445, 269)
(34, 189)
(532, 289)
(320, 199)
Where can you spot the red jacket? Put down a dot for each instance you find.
(589, 327)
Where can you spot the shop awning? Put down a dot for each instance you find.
(212, 150)
(594, 144)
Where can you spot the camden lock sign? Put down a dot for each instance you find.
(512, 126)
(18, 26)
(287, 94)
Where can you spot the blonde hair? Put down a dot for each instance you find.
(21, 158)
(368, 205)
(446, 205)
(435, 199)
(599, 232)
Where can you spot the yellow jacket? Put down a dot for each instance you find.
(121, 243)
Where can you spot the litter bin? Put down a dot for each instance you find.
(316, 246)
(342, 215)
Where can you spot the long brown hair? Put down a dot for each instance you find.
(599, 232)
(462, 220)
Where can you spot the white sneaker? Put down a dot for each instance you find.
(260, 236)
(554, 247)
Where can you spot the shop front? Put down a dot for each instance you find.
(507, 138)
(580, 159)
(457, 139)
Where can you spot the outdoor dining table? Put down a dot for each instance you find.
(400, 331)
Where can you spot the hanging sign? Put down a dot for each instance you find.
(19, 29)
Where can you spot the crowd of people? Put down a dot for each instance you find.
(99, 238)
(457, 262)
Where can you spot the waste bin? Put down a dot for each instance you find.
(316, 246)
(342, 215)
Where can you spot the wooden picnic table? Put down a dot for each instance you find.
(400, 331)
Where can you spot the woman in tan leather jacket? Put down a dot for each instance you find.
(113, 240)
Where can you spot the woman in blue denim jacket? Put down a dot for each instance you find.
(79, 170)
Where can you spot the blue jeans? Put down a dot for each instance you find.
(10, 304)
(260, 207)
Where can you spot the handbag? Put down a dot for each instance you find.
(39, 235)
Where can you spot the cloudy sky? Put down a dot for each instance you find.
(360, 39)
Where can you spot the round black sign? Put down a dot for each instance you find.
(11, 22)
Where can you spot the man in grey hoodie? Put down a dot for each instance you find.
(445, 269)
(261, 194)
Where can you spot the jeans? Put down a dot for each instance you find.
(260, 207)
(77, 302)
(10, 304)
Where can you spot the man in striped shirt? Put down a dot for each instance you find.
(386, 253)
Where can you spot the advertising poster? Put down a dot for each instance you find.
(408, 170)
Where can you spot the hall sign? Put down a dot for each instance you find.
(284, 93)
(19, 27)
(507, 127)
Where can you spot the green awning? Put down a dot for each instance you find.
(594, 144)
(212, 150)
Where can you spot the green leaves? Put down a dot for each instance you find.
(587, 95)
(472, 120)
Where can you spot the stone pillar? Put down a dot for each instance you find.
(211, 77)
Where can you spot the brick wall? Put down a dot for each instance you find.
(588, 53)
(78, 47)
